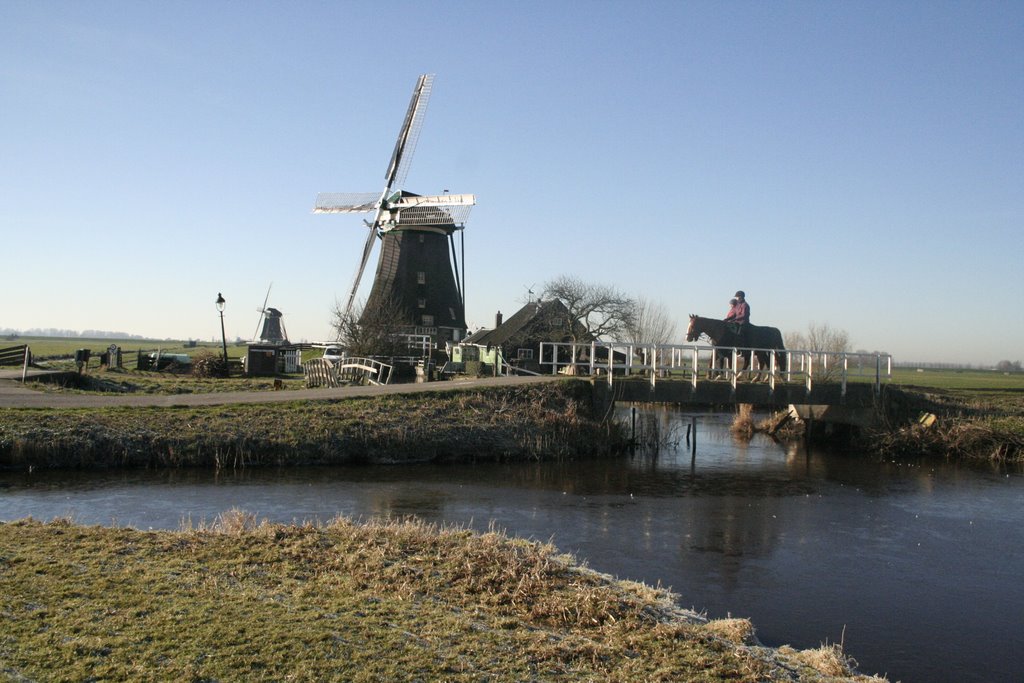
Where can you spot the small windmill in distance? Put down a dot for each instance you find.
(272, 321)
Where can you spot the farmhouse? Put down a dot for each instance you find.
(516, 341)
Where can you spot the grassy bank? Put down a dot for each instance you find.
(383, 601)
(554, 420)
(978, 415)
(118, 381)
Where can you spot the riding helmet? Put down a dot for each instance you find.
(740, 295)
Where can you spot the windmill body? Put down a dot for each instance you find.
(273, 327)
(272, 322)
(418, 271)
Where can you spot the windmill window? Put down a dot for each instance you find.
(525, 354)
(422, 237)
(421, 277)
(452, 311)
(421, 303)
(428, 321)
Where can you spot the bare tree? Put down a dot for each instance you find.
(823, 338)
(651, 324)
(819, 337)
(592, 311)
(372, 332)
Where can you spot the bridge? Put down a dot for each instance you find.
(826, 385)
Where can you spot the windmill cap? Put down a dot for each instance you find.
(740, 294)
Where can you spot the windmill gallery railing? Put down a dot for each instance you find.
(695, 362)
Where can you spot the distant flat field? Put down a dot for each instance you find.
(959, 379)
(45, 347)
(65, 347)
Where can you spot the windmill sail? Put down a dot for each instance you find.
(398, 168)
(262, 311)
(346, 202)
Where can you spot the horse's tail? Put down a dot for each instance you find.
(781, 357)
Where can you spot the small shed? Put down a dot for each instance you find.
(265, 360)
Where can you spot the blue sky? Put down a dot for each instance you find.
(855, 164)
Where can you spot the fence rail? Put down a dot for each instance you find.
(321, 372)
(694, 362)
(15, 355)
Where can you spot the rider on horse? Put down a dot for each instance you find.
(738, 316)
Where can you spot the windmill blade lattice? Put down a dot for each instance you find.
(346, 202)
(409, 135)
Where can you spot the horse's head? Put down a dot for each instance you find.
(693, 330)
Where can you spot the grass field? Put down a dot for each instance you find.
(381, 601)
(960, 379)
(64, 347)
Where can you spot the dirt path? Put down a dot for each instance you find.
(14, 395)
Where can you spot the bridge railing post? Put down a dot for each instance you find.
(694, 367)
(654, 364)
(771, 371)
(846, 367)
(810, 370)
(735, 368)
(593, 353)
(611, 362)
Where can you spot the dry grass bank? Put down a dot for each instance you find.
(980, 423)
(382, 601)
(553, 420)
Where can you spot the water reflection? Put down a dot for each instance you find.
(810, 545)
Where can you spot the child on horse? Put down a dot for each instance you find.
(739, 315)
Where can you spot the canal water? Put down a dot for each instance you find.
(914, 567)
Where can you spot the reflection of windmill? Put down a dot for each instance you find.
(416, 273)
(273, 323)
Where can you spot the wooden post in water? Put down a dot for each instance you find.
(693, 444)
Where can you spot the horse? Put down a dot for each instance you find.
(763, 339)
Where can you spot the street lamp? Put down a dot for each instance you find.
(223, 337)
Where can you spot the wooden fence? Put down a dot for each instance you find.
(15, 355)
(321, 372)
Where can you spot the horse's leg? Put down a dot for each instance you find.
(780, 360)
(764, 368)
(717, 368)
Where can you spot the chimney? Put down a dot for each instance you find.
(497, 320)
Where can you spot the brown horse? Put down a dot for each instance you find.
(763, 339)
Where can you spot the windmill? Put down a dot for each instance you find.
(415, 272)
(273, 323)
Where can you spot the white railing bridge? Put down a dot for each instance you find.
(696, 362)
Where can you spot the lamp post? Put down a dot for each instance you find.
(223, 337)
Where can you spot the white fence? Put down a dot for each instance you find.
(694, 362)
